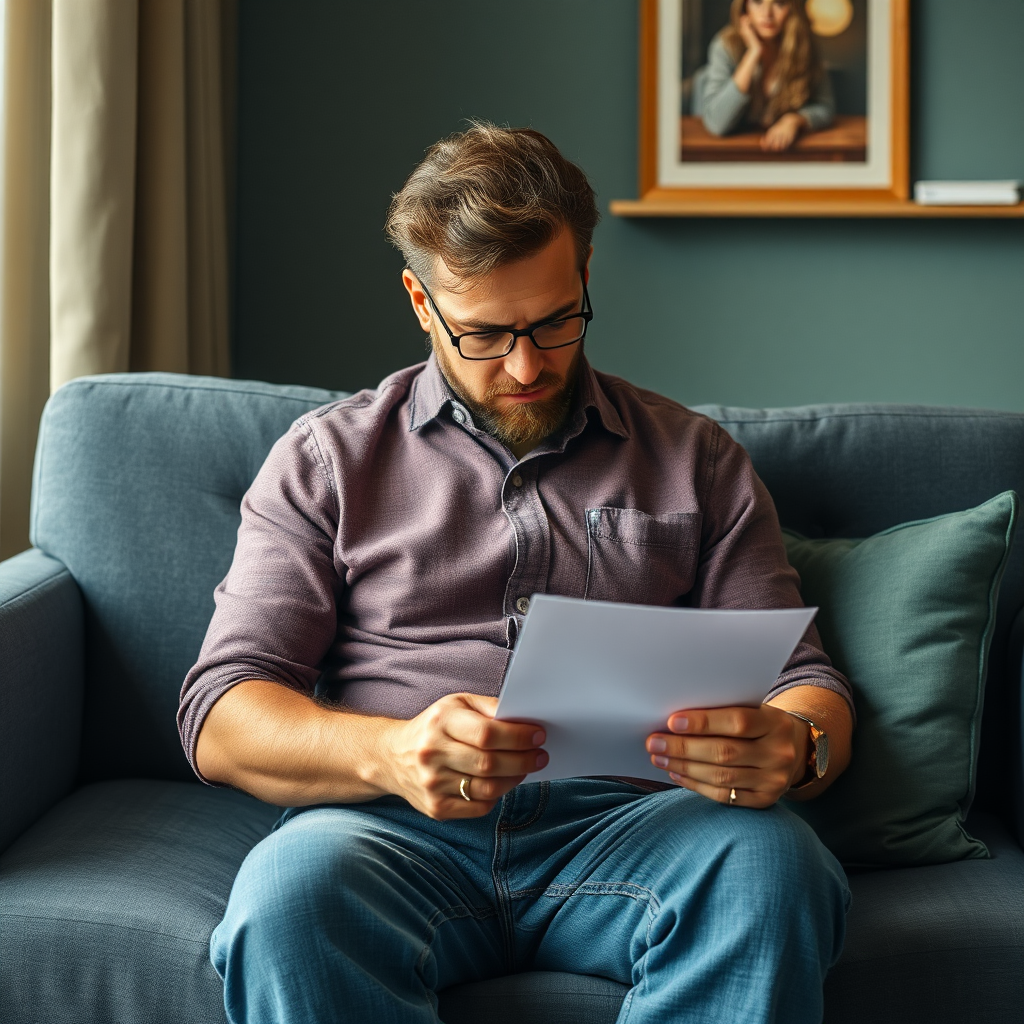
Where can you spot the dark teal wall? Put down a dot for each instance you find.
(339, 99)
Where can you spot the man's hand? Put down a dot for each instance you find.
(760, 752)
(783, 133)
(426, 758)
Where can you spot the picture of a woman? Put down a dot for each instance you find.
(765, 73)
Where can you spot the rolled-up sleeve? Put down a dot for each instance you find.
(276, 610)
(723, 105)
(743, 563)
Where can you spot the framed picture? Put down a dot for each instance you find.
(774, 106)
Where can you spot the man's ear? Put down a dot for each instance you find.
(586, 267)
(418, 298)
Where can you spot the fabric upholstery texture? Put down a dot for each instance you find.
(854, 470)
(138, 483)
(107, 903)
(907, 616)
(41, 688)
(534, 997)
(108, 900)
(938, 943)
(116, 890)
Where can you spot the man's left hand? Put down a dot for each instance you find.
(758, 752)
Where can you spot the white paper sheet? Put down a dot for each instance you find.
(601, 677)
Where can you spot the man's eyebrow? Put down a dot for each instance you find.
(484, 325)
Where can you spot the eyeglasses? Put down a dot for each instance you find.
(557, 332)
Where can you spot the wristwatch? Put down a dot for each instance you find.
(817, 761)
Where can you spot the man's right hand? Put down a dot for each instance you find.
(457, 737)
(283, 747)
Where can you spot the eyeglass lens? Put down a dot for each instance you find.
(498, 343)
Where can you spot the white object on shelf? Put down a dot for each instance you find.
(967, 193)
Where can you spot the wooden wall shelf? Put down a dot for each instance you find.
(724, 207)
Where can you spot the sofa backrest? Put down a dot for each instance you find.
(139, 478)
(852, 470)
(137, 488)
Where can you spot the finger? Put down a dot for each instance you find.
(465, 759)
(744, 798)
(441, 798)
(483, 790)
(468, 725)
(745, 723)
(478, 702)
(755, 780)
(719, 750)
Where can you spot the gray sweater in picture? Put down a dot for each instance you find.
(721, 105)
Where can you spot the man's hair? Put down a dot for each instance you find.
(487, 197)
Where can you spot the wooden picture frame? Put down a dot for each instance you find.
(873, 182)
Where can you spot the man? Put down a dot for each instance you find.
(387, 553)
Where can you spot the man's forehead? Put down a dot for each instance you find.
(494, 305)
(541, 283)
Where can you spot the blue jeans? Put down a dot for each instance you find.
(362, 912)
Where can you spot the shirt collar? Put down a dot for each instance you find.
(431, 393)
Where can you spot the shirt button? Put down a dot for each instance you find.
(523, 605)
(517, 481)
(458, 415)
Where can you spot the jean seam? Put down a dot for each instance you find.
(542, 803)
(629, 889)
(653, 908)
(499, 875)
(452, 913)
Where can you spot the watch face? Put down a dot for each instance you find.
(821, 754)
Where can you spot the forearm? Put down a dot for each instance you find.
(281, 746)
(830, 712)
(743, 76)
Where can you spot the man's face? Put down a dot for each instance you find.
(524, 396)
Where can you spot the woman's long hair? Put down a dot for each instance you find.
(797, 70)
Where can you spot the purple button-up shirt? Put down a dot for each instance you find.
(389, 548)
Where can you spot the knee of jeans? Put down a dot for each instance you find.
(771, 854)
(784, 859)
(299, 873)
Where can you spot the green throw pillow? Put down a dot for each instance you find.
(907, 616)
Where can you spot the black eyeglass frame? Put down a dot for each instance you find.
(587, 313)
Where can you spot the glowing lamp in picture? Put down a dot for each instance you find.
(829, 17)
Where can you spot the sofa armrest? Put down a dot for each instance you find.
(41, 683)
(1015, 678)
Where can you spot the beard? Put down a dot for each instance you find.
(522, 422)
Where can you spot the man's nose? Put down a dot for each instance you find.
(524, 362)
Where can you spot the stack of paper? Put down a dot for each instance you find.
(601, 677)
(967, 193)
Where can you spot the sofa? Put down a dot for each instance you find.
(116, 863)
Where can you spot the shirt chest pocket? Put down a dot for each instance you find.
(639, 558)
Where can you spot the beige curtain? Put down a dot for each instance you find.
(116, 199)
(24, 252)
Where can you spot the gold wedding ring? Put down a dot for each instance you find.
(464, 785)
(732, 797)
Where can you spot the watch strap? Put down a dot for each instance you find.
(817, 760)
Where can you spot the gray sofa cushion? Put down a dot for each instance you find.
(534, 997)
(853, 470)
(108, 902)
(936, 944)
(138, 483)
